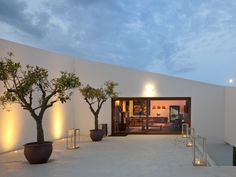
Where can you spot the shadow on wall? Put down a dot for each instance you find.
(221, 153)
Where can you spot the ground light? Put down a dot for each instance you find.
(184, 130)
(190, 137)
(199, 151)
(73, 139)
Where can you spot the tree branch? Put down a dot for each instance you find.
(42, 90)
(30, 97)
(51, 104)
(90, 106)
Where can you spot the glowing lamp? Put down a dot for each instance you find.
(149, 90)
(184, 130)
(117, 102)
(199, 151)
(189, 144)
(73, 139)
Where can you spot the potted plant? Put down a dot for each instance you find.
(31, 88)
(95, 97)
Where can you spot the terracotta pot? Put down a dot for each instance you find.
(37, 153)
(96, 135)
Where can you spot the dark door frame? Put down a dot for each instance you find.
(187, 99)
(170, 115)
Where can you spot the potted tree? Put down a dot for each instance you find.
(31, 88)
(95, 97)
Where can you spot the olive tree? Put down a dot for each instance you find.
(31, 88)
(95, 97)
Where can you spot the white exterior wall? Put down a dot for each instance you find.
(230, 116)
(208, 101)
(17, 127)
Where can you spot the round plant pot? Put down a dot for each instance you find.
(37, 153)
(96, 135)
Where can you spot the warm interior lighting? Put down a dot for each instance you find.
(117, 102)
(124, 106)
(57, 121)
(131, 107)
(9, 130)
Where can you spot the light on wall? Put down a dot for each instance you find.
(149, 90)
(117, 102)
(57, 121)
(9, 130)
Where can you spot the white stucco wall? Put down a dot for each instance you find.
(17, 127)
(230, 116)
(208, 101)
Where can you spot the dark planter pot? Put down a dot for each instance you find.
(96, 135)
(37, 153)
(122, 127)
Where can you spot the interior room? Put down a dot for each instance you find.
(150, 115)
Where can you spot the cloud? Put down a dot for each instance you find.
(172, 37)
(12, 13)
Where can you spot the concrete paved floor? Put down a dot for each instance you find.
(132, 156)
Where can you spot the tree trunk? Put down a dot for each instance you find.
(96, 122)
(40, 134)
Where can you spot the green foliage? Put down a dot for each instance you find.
(31, 88)
(95, 97)
(25, 84)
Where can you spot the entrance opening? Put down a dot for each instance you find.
(162, 115)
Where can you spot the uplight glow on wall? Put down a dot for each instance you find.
(57, 120)
(9, 130)
(149, 90)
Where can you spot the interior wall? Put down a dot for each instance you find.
(208, 106)
(165, 112)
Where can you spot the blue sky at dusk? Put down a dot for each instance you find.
(193, 39)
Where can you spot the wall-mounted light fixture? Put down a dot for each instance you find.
(149, 90)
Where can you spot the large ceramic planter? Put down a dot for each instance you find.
(37, 153)
(96, 135)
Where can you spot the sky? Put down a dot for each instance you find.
(192, 39)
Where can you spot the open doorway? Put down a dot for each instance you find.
(162, 115)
